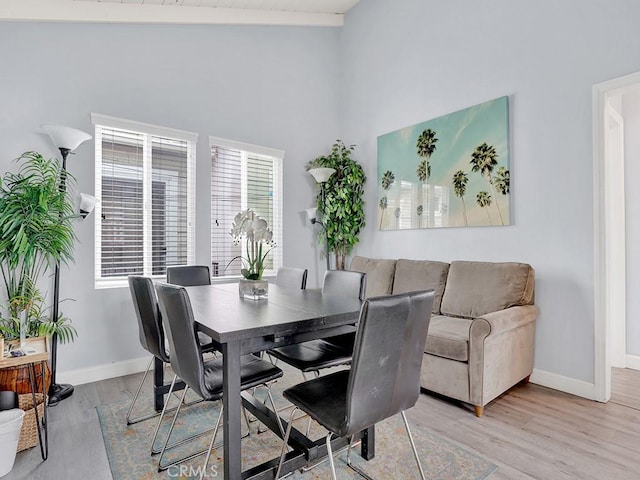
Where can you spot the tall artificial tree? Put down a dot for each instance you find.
(343, 208)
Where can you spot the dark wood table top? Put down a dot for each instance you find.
(223, 315)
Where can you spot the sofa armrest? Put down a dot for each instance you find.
(500, 351)
(510, 318)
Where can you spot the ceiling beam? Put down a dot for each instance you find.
(108, 12)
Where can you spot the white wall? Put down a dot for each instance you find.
(631, 113)
(409, 60)
(271, 86)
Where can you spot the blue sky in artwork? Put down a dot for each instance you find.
(458, 135)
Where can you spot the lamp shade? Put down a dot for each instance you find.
(312, 213)
(86, 204)
(321, 175)
(66, 137)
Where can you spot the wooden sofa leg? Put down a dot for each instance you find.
(479, 410)
(525, 380)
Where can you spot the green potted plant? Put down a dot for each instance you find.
(36, 224)
(342, 209)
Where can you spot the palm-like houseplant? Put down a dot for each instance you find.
(36, 231)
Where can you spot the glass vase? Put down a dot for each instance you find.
(253, 289)
(23, 328)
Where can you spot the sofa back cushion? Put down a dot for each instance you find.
(379, 274)
(412, 275)
(476, 288)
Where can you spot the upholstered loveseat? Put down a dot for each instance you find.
(481, 336)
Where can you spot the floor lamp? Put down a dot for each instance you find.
(321, 175)
(67, 139)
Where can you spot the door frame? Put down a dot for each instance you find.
(609, 271)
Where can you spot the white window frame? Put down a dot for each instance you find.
(147, 130)
(277, 228)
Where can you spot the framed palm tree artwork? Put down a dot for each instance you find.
(451, 171)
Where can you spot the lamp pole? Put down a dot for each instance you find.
(321, 175)
(58, 391)
(66, 139)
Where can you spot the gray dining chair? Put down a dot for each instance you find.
(384, 378)
(314, 355)
(205, 378)
(150, 331)
(292, 277)
(191, 276)
(152, 339)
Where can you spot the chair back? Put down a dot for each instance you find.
(150, 328)
(387, 357)
(345, 282)
(177, 317)
(292, 277)
(189, 275)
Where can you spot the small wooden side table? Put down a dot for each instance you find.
(41, 346)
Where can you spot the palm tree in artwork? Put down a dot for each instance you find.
(484, 200)
(425, 147)
(483, 160)
(501, 180)
(388, 179)
(460, 180)
(419, 211)
(426, 143)
(383, 204)
(424, 171)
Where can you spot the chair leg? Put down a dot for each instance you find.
(213, 438)
(316, 374)
(273, 404)
(413, 445)
(164, 409)
(360, 472)
(285, 440)
(330, 454)
(135, 398)
(173, 424)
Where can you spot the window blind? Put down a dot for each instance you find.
(145, 186)
(242, 178)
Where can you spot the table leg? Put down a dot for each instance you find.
(158, 384)
(232, 406)
(368, 445)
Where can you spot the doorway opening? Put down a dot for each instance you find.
(609, 230)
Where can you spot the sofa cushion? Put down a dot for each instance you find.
(449, 338)
(476, 288)
(379, 274)
(412, 275)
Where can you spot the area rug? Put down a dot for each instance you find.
(128, 448)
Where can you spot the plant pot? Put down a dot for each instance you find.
(253, 289)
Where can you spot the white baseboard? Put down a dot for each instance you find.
(102, 372)
(633, 362)
(564, 384)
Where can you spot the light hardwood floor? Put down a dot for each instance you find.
(531, 432)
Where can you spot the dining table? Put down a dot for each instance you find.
(241, 326)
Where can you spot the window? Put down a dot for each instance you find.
(243, 176)
(145, 187)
